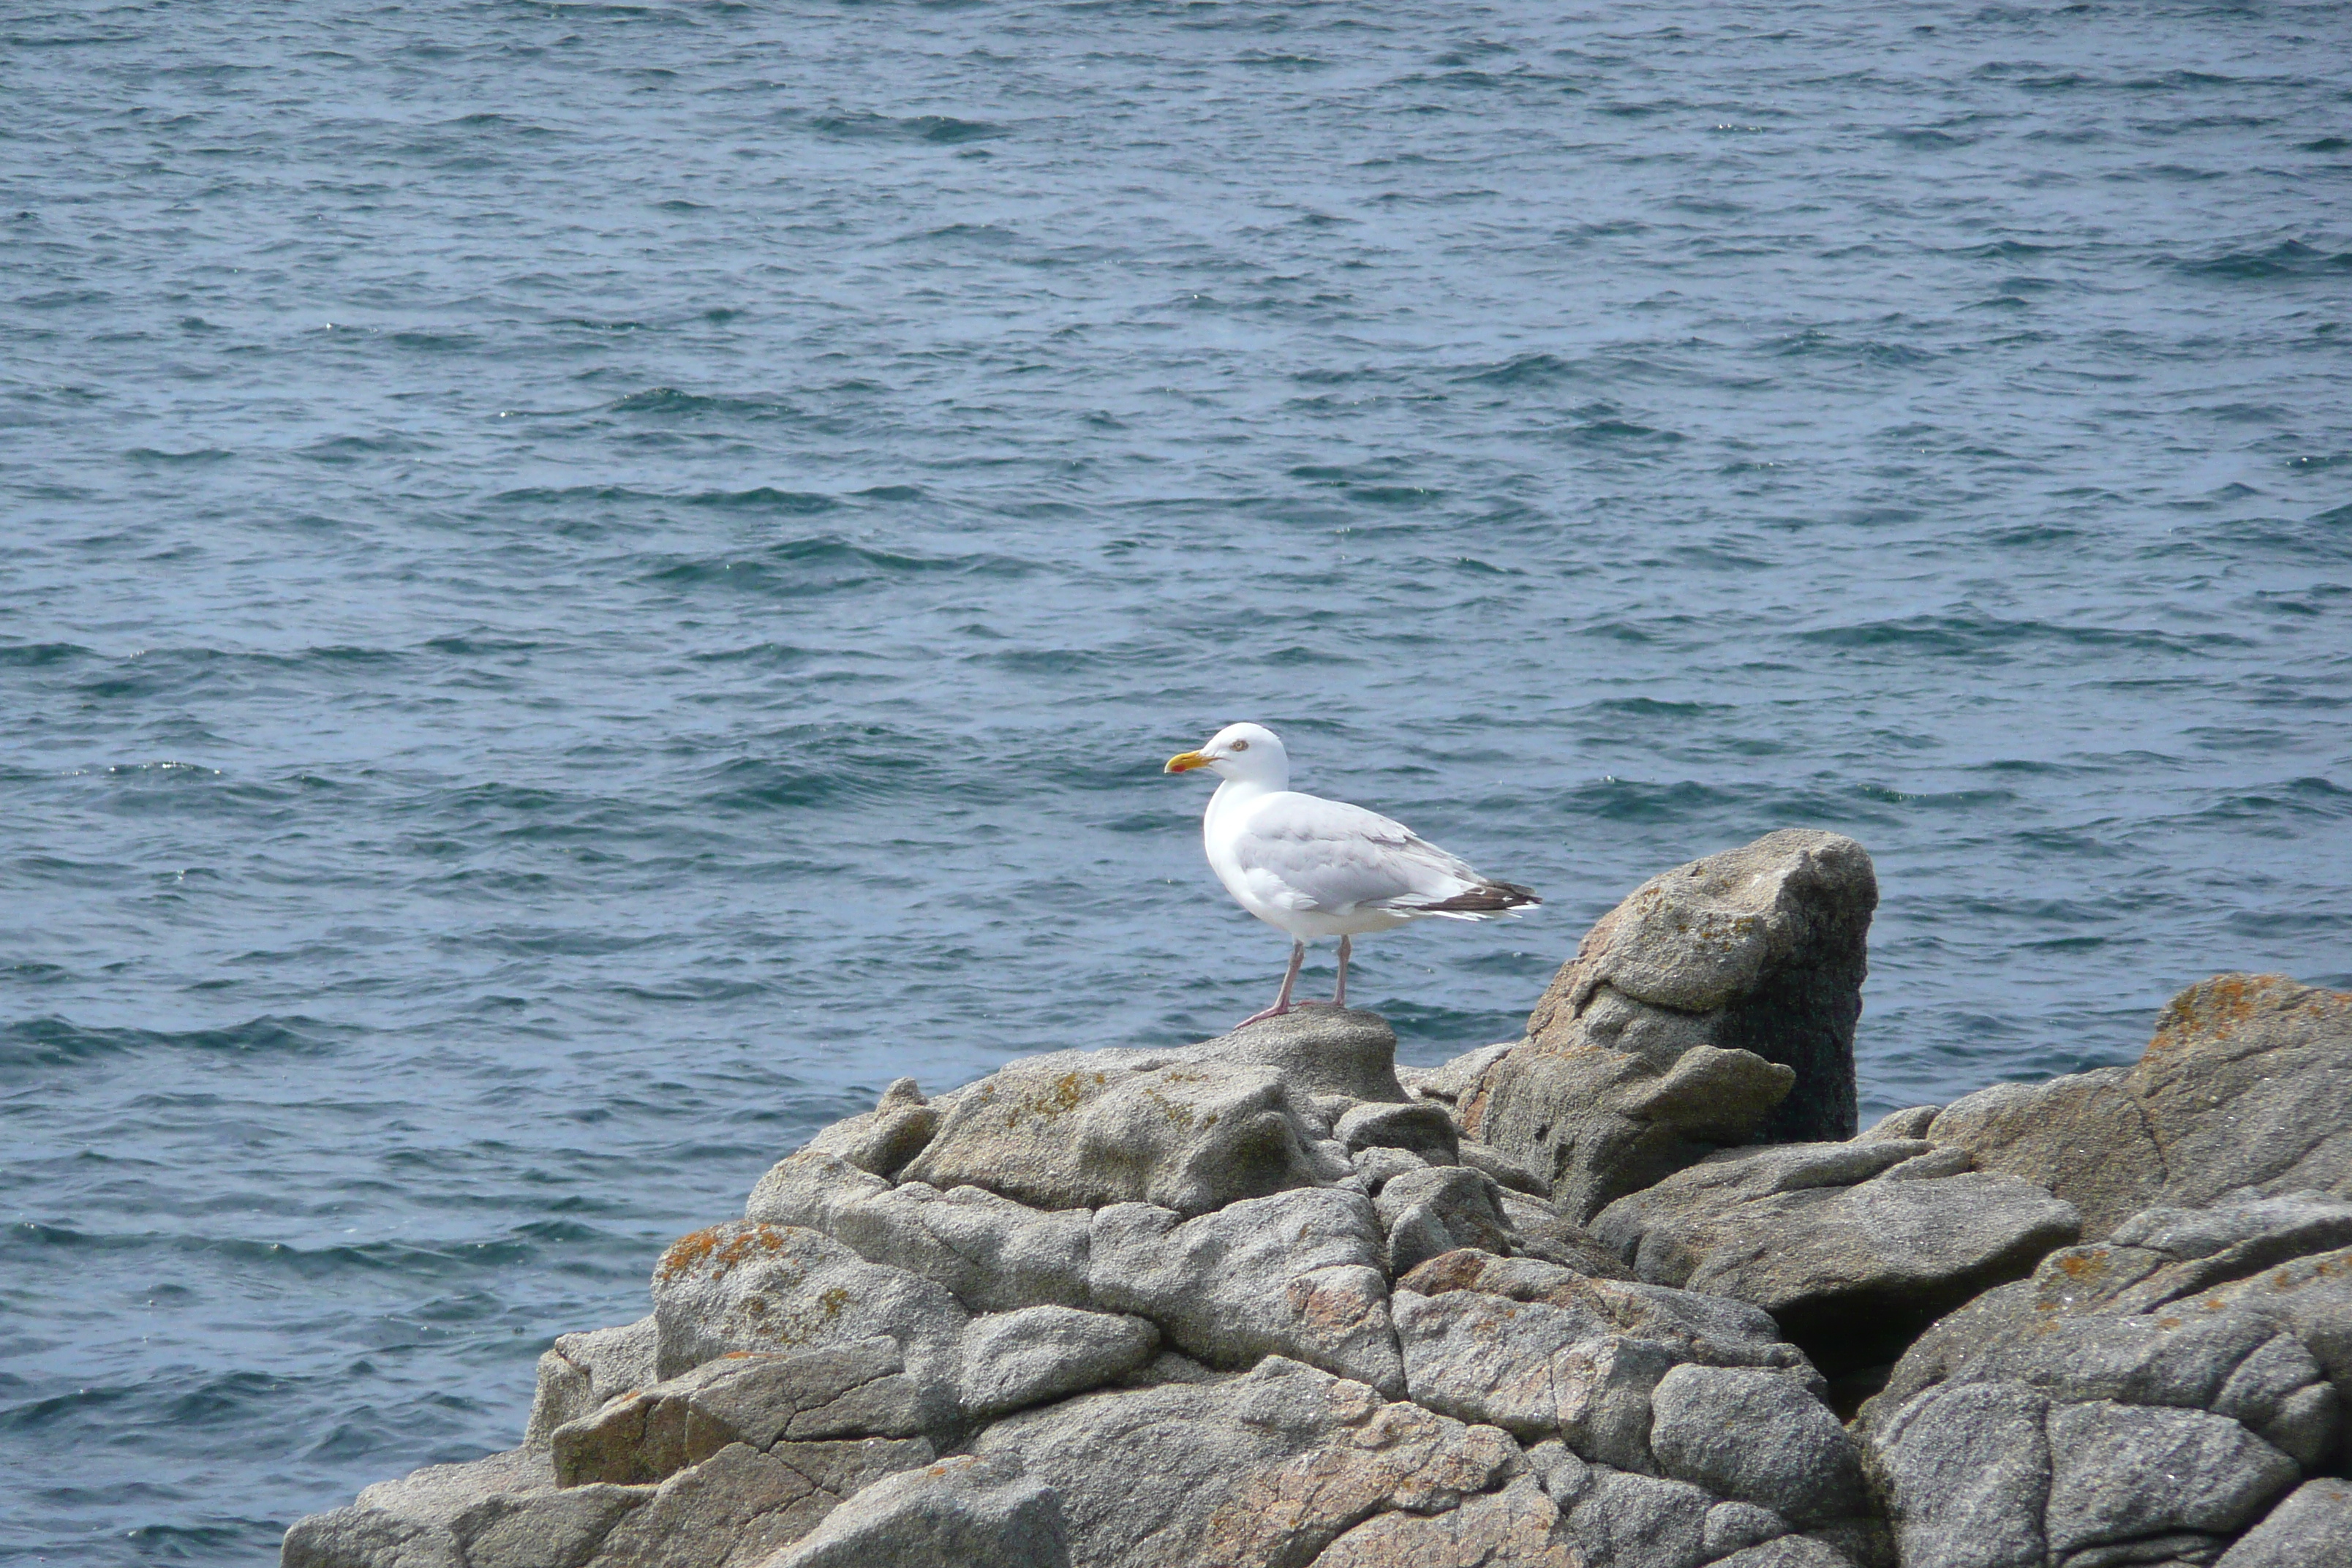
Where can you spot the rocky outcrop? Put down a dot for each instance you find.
(2136, 1401)
(2223, 1099)
(1852, 1248)
(1266, 1303)
(1248, 1301)
(1715, 1005)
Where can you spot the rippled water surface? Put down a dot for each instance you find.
(582, 585)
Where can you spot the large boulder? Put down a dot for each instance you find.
(1854, 1248)
(853, 1391)
(1715, 1005)
(2246, 1084)
(2145, 1399)
(2313, 1526)
(734, 1507)
(582, 1371)
(1263, 1468)
(969, 1511)
(992, 1253)
(1519, 1526)
(1086, 1129)
(1546, 1353)
(503, 1512)
(1297, 1274)
(764, 1287)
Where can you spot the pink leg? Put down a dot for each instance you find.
(1340, 996)
(1289, 979)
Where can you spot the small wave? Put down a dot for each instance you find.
(825, 767)
(827, 565)
(939, 130)
(198, 454)
(2289, 258)
(1524, 370)
(762, 497)
(53, 1041)
(1652, 708)
(670, 401)
(1984, 638)
(434, 342)
(39, 655)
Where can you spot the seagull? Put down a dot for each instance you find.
(1313, 867)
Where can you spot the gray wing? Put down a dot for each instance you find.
(1328, 855)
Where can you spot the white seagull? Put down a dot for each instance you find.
(1315, 868)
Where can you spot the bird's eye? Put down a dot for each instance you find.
(1241, 745)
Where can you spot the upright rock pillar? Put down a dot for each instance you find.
(1716, 1005)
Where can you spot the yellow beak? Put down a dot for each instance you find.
(1184, 762)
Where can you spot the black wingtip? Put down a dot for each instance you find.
(1487, 898)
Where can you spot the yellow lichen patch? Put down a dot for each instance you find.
(1181, 1114)
(1059, 1098)
(2082, 1265)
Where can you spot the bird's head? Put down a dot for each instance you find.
(1249, 752)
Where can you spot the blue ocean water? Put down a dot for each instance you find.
(582, 585)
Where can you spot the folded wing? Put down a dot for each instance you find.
(1303, 852)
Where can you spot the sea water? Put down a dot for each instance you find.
(583, 585)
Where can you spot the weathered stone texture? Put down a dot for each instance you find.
(1715, 1005)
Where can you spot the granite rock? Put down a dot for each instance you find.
(1450, 1080)
(1083, 1130)
(739, 1506)
(1736, 1526)
(1518, 1527)
(994, 1255)
(1342, 1053)
(1430, 1211)
(885, 1138)
(1851, 1252)
(1756, 1437)
(1149, 1477)
(1715, 1005)
(2246, 1085)
(1514, 1175)
(1788, 1551)
(967, 1511)
(1636, 1521)
(2131, 1472)
(743, 1286)
(2313, 1526)
(1712, 1330)
(854, 1390)
(1015, 1359)
(584, 1370)
(1546, 1353)
(2190, 1310)
(1598, 1124)
(1418, 1127)
(1967, 1473)
(1344, 1333)
(1298, 1274)
(1543, 1232)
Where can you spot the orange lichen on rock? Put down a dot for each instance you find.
(717, 1249)
(2213, 1008)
